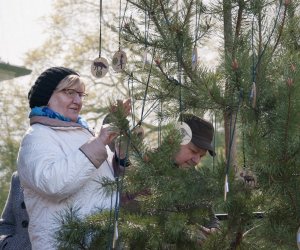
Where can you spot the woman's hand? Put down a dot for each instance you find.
(108, 133)
(124, 105)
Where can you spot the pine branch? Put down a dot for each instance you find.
(286, 127)
(280, 29)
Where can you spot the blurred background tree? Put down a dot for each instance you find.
(12, 125)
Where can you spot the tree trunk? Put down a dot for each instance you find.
(229, 114)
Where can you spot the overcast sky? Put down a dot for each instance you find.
(21, 27)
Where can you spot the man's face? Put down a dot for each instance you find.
(189, 155)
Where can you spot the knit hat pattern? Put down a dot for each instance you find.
(44, 86)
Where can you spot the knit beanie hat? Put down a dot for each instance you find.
(45, 84)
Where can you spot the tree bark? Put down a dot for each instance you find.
(229, 114)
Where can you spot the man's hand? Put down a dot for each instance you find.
(207, 231)
(204, 233)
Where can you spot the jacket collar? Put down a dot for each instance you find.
(55, 123)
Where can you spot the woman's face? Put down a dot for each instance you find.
(68, 102)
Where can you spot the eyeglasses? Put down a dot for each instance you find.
(73, 92)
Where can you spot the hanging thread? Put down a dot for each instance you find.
(159, 122)
(197, 28)
(214, 140)
(119, 60)
(253, 92)
(131, 96)
(147, 85)
(100, 28)
(231, 138)
(119, 179)
(100, 66)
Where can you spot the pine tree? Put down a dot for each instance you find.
(254, 91)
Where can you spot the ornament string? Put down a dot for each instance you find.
(214, 140)
(271, 34)
(120, 10)
(100, 48)
(116, 212)
(121, 20)
(231, 137)
(119, 180)
(180, 96)
(110, 221)
(253, 88)
(119, 59)
(244, 154)
(100, 28)
(110, 229)
(197, 23)
(146, 30)
(253, 52)
(147, 86)
(155, 105)
(252, 96)
(100, 66)
(147, 23)
(131, 95)
(160, 117)
(179, 75)
(125, 9)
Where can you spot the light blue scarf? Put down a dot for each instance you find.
(45, 111)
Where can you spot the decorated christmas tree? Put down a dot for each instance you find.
(253, 99)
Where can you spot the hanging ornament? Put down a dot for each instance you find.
(226, 187)
(235, 64)
(119, 61)
(293, 68)
(185, 132)
(194, 58)
(99, 67)
(157, 61)
(253, 95)
(289, 81)
(146, 158)
(116, 235)
(146, 58)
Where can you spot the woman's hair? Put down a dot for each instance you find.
(70, 81)
(41, 91)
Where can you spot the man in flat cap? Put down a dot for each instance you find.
(197, 135)
(201, 133)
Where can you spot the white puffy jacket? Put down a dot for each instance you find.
(59, 164)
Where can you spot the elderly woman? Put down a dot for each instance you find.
(61, 161)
